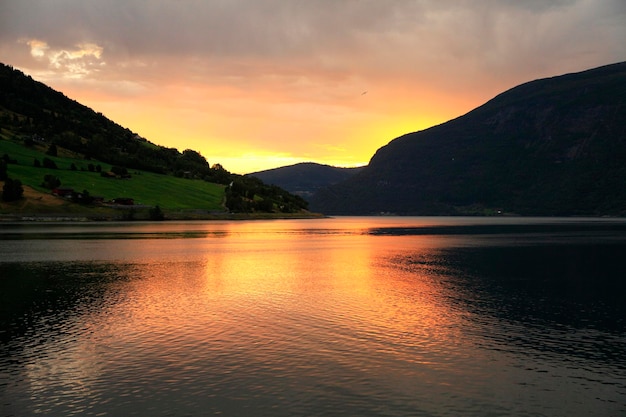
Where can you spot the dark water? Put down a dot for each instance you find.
(328, 317)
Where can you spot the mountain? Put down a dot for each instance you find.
(554, 146)
(31, 109)
(304, 179)
(40, 123)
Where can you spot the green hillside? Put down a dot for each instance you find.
(40, 127)
(146, 188)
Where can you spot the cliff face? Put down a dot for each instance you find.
(554, 146)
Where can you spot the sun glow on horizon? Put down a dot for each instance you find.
(250, 134)
(254, 86)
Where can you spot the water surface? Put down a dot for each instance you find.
(343, 316)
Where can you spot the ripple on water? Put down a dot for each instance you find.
(332, 324)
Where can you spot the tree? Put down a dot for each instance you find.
(52, 150)
(121, 171)
(265, 205)
(12, 190)
(235, 203)
(220, 175)
(82, 198)
(194, 157)
(156, 213)
(36, 163)
(49, 163)
(8, 159)
(51, 182)
(3, 170)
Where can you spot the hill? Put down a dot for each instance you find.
(33, 112)
(304, 179)
(553, 146)
(44, 133)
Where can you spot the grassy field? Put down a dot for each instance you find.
(146, 188)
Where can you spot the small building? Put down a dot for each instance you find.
(63, 192)
(123, 201)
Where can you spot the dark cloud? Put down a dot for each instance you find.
(454, 46)
(398, 35)
(228, 28)
(246, 70)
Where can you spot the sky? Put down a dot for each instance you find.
(258, 84)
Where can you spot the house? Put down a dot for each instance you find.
(124, 201)
(63, 192)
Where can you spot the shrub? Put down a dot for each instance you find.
(50, 181)
(49, 163)
(82, 198)
(52, 150)
(117, 170)
(12, 190)
(3, 170)
(156, 213)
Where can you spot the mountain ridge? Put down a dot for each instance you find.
(552, 146)
(305, 178)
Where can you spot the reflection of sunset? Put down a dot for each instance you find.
(306, 316)
(329, 289)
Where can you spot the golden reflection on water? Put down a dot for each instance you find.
(262, 281)
(342, 281)
(270, 310)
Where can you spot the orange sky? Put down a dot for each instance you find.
(259, 84)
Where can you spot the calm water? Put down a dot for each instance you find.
(343, 316)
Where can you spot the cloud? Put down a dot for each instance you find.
(288, 74)
(80, 61)
(38, 49)
(403, 38)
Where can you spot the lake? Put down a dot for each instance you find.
(346, 316)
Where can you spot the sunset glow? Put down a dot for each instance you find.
(256, 85)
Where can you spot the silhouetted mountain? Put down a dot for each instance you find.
(304, 179)
(555, 146)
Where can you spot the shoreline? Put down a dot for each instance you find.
(78, 217)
